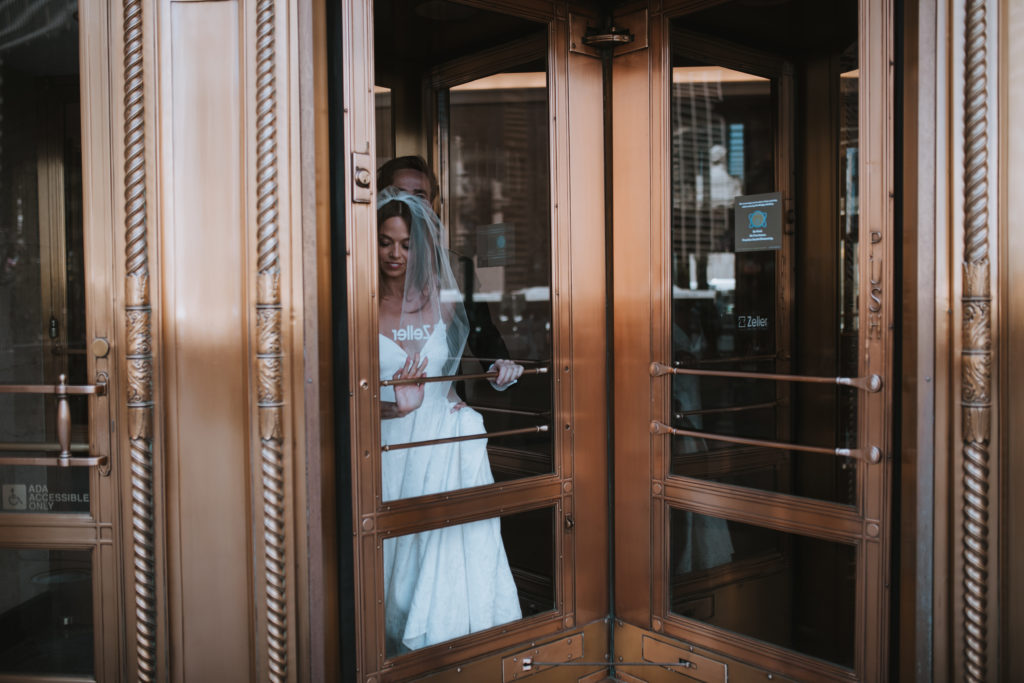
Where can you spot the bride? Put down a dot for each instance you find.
(442, 583)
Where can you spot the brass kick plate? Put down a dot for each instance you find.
(681, 660)
(522, 664)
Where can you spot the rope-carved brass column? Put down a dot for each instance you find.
(268, 348)
(139, 355)
(977, 347)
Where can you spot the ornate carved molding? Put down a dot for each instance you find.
(139, 370)
(975, 399)
(269, 357)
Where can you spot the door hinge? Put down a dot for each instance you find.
(624, 34)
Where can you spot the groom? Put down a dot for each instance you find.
(412, 174)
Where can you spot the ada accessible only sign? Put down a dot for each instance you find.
(758, 222)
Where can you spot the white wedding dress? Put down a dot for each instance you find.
(443, 583)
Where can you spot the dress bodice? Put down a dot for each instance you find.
(393, 357)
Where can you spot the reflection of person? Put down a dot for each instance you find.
(708, 542)
(442, 583)
(413, 175)
(724, 187)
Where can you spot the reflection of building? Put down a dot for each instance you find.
(499, 173)
(715, 111)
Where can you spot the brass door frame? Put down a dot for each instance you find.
(577, 485)
(97, 531)
(640, 143)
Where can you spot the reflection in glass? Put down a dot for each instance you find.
(446, 583)
(849, 283)
(736, 303)
(499, 198)
(383, 124)
(46, 623)
(42, 279)
(487, 193)
(786, 589)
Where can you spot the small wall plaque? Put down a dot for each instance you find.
(758, 222)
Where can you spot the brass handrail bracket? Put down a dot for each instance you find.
(61, 390)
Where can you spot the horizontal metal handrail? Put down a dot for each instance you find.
(54, 461)
(872, 454)
(58, 389)
(470, 437)
(872, 383)
(11, 446)
(454, 378)
(509, 411)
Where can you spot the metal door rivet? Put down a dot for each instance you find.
(363, 384)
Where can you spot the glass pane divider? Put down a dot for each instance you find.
(782, 512)
(435, 511)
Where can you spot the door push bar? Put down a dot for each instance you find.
(872, 383)
(61, 390)
(872, 455)
(455, 378)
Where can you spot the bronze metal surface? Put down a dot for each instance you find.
(59, 461)
(684, 660)
(526, 663)
(269, 353)
(1011, 340)
(138, 348)
(976, 354)
(63, 413)
(9, 446)
(59, 388)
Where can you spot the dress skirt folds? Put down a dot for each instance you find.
(442, 583)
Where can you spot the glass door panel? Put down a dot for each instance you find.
(42, 307)
(768, 482)
(464, 482)
(736, 290)
(46, 612)
(52, 475)
(789, 590)
(505, 566)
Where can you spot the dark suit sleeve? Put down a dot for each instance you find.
(484, 340)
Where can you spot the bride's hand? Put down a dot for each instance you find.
(409, 397)
(508, 371)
